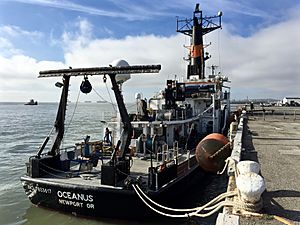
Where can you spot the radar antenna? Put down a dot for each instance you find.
(196, 28)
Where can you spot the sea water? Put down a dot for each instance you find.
(23, 129)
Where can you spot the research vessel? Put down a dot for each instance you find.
(153, 148)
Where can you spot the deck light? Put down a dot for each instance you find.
(58, 84)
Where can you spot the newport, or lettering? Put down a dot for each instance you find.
(71, 203)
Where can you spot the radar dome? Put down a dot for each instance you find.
(121, 78)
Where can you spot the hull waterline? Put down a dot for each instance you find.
(108, 202)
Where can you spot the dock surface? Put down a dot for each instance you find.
(273, 140)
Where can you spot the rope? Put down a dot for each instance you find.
(219, 151)
(105, 99)
(213, 206)
(239, 204)
(99, 95)
(218, 198)
(131, 105)
(54, 175)
(221, 204)
(249, 207)
(53, 169)
(226, 164)
(56, 170)
(155, 210)
(191, 212)
(110, 98)
(73, 112)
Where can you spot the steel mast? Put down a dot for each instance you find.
(196, 28)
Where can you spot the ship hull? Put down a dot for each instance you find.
(109, 202)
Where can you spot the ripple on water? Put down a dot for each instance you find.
(24, 130)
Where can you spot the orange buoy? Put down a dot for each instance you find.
(206, 149)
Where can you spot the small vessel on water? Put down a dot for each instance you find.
(31, 102)
(155, 148)
(102, 101)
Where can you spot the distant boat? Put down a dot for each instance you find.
(31, 102)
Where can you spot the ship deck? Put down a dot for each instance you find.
(78, 175)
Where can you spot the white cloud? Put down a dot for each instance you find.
(78, 37)
(149, 49)
(10, 34)
(71, 6)
(15, 31)
(18, 78)
(245, 8)
(7, 48)
(82, 51)
(262, 65)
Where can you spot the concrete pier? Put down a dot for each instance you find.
(273, 140)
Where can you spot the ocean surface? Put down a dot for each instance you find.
(23, 129)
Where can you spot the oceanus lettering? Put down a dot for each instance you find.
(75, 196)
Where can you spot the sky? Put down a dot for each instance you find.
(258, 47)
